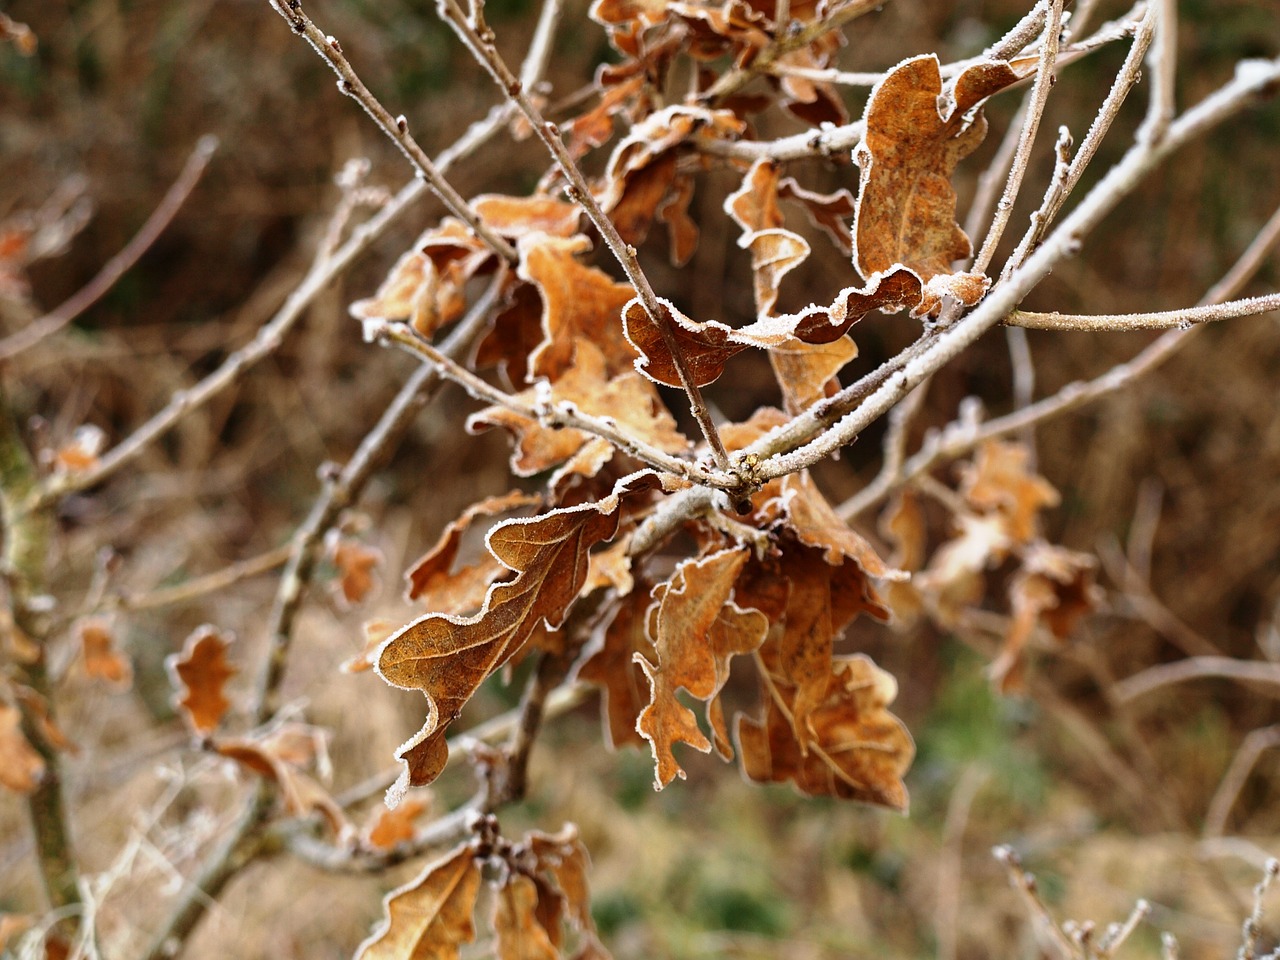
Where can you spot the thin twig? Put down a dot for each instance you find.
(198, 587)
(1039, 97)
(1163, 61)
(396, 128)
(1233, 781)
(951, 863)
(550, 415)
(1025, 884)
(123, 261)
(1266, 676)
(478, 39)
(1164, 320)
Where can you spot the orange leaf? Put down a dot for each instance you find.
(448, 657)
(708, 346)
(431, 915)
(858, 750)
(433, 578)
(520, 935)
(696, 630)
(21, 767)
(578, 303)
(392, 827)
(999, 480)
(357, 568)
(806, 371)
(375, 632)
(81, 452)
(102, 660)
(199, 674)
(828, 211)
(613, 668)
(916, 133)
(816, 524)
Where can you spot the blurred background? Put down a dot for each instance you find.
(1106, 805)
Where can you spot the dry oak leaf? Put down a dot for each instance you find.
(438, 583)
(393, 827)
(21, 767)
(627, 398)
(613, 667)
(375, 632)
(1054, 587)
(519, 934)
(999, 480)
(278, 753)
(578, 303)
(903, 525)
(449, 657)
(806, 372)
(916, 133)
(102, 658)
(431, 915)
(953, 579)
(516, 333)
(563, 857)
(828, 211)
(858, 751)
(357, 567)
(815, 523)
(199, 674)
(80, 453)
(593, 127)
(775, 252)
(696, 629)
(708, 346)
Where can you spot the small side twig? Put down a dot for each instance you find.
(1164, 320)
(123, 261)
(1224, 799)
(1264, 676)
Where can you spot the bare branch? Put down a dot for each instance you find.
(1233, 781)
(123, 261)
(1164, 320)
(1265, 675)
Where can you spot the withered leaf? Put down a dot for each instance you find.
(628, 399)
(80, 453)
(830, 211)
(696, 629)
(392, 827)
(199, 674)
(357, 566)
(520, 935)
(953, 578)
(434, 580)
(278, 754)
(1054, 587)
(375, 632)
(858, 750)
(806, 371)
(516, 217)
(999, 480)
(429, 917)
(578, 303)
(563, 857)
(21, 767)
(448, 657)
(816, 524)
(708, 346)
(102, 658)
(916, 133)
(613, 668)
(775, 252)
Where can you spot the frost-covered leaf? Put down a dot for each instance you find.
(613, 668)
(448, 657)
(696, 629)
(431, 915)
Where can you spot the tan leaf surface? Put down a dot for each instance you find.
(628, 399)
(916, 133)
(613, 668)
(578, 303)
(199, 675)
(357, 566)
(1055, 588)
(999, 480)
(806, 371)
(21, 767)
(696, 629)
(269, 757)
(516, 333)
(448, 657)
(708, 346)
(429, 917)
(859, 750)
(563, 857)
(520, 935)
(516, 217)
(102, 658)
(903, 525)
(816, 524)
(392, 827)
(828, 211)
(433, 578)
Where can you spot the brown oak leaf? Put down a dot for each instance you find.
(815, 523)
(696, 629)
(708, 346)
(357, 566)
(858, 750)
(806, 371)
(434, 578)
(916, 134)
(21, 767)
(199, 674)
(431, 915)
(1054, 587)
(392, 827)
(448, 657)
(613, 668)
(102, 658)
(519, 934)
(999, 481)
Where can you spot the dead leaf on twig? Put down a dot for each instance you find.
(199, 674)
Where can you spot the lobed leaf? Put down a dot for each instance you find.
(199, 675)
(431, 915)
(448, 657)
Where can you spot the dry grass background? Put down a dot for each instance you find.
(119, 92)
